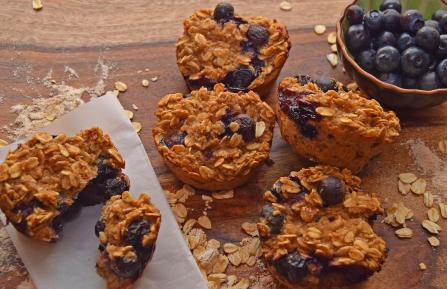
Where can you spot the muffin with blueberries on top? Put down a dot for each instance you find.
(244, 53)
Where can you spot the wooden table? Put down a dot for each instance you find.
(136, 35)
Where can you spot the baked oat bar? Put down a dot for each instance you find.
(48, 178)
(324, 123)
(213, 139)
(316, 229)
(127, 232)
(244, 53)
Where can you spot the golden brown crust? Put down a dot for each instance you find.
(207, 159)
(51, 171)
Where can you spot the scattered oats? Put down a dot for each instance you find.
(443, 210)
(333, 59)
(231, 280)
(260, 128)
(213, 285)
(154, 79)
(180, 210)
(139, 71)
(213, 243)
(243, 284)
(332, 38)
(320, 29)
(334, 48)
(285, 6)
(404, 188)
(137, 126)
(116, 92)
(145, 82)
(189, 224)
(120, 86)
(428, 199)
(221, 264)
(352, 86)
(37, 4)
(443, 146)
(205, 222)
(250, 229)
(419, 186)
(431, 226)
(407, 178)
(251, 261)
(433, 214)
(129, 114)
(404, 233)
(134, 106)
(207, 198)
(422, 266)
(3, 143)
(235, 258)
(230, 248)
(434, 242)
(223, 195)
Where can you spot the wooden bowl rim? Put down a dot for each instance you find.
(371, 77)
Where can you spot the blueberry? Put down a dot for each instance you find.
(414, 61)
(301, 114)
(223, 12)
(411, 21)
(391, 4)
(292, 266)
(385, 38)
(99, 227)
(437, 15)
(239, 79)
(429, 81)
(366, 59)
(354, 14)
(304, 79)
(332, 190)
(373, 20)
(387, 59)
(274, 222)
(136, 231)
(441, 70)
(357, 38)
(104, 169)
(115, 186)
(409, 82)
(258, 34)
(404, 41)
(442, 49)
(173, 139)
(391, 78)
(428, 38)
(257, 65)
(434, 24)
(391, 20)
(326, 84)
(246, 127)
(443, 23)
(130, 269)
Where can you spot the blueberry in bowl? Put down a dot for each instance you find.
(401, 64)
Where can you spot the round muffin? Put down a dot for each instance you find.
(127, 232)
(244, 53)
(326, 124)
(213, 139)
(316, 229)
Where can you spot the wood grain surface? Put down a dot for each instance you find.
(135, 35)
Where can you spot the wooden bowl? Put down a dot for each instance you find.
(387, 94)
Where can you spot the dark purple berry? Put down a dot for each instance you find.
(357, 38)
(130, 269)
(441, 70)
(374, 21)
(442, 48)
(223, 12)
(443, 23)
(295, 267)
(274, 222)
(391, 4)
(239, 79)
(257, 65)
(411, 21)
(385, 38)
(99, 227)
(404, 41)
(414, 61)
(409, 82)
(428, 38)
(391, 78)
(304, 79)
(116, 186)
(258, 34)
(437, 15)
(391, 20)
(434, 24)
(332, 191)
(136, 231)
(246, 127)
(366, 59)
(429, 81)
(354, 14)
(387, 59)
(105, 171)
(174, 139)
(326, 84)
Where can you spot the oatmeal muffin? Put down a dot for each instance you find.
(316, 229)
(127, 232)
(244, 53)
(324, 123)
(213, 139)
(46, 179)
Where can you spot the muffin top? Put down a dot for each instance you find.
(47, 173)
(215, 134)
(220, 46)
(306, 100)
(320, 216)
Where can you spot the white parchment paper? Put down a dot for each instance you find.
(70, 263)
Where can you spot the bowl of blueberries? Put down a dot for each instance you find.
(396, 50)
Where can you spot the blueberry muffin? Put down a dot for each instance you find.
(48, 178)
(244, 53)
(316, 229)
(127, 232)
(324, 123)
(213, 139)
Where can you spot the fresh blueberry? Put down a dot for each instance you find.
(387, 59)
(411, 21)
(246, 127)
(223, 12)
(429, 81)
(428, 38)
(391, 78)
(136, 231)
(409, 82)
(391, 20)
(173, 139)
(274, 222)
(441, 70)
(99, 227)
(414, 61)
(404, 41)
(391, 4)
(326, 84)
(304, 79)
(443, 23)
(258, 34)
(442, 49)
(373, 20)
(239, 79)
(366, 59)
(385, 38)
(332, 190)
(357, 38)
(354, 14)
(434, 24)
(437, 15)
